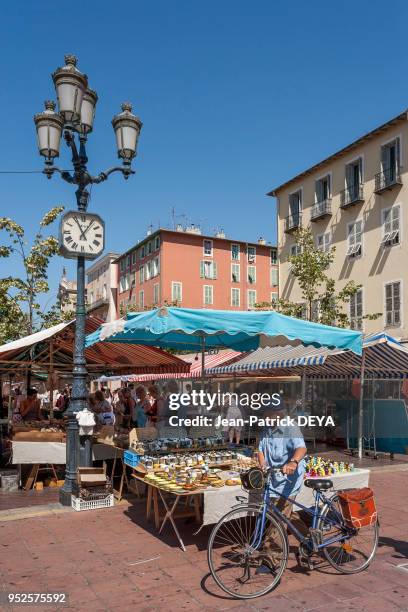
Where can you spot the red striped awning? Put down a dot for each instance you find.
(194, 360)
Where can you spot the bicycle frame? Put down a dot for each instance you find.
(314, 512)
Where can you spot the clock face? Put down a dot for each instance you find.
(81, 234)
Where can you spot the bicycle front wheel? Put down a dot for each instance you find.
(235, 556)
(353, 554)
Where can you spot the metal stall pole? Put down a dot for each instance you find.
(361, 408)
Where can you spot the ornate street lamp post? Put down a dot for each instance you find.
(82, 235)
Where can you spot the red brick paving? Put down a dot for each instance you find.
(95, 557)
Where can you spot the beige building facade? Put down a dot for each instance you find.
(102, 287)
(356, 200)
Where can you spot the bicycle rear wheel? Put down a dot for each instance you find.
(353, 554)
(233, 560)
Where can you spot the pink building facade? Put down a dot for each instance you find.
(196, 271)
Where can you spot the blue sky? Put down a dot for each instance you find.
(235, 98)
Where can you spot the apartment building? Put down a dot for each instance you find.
(355, 200)
(102, 287)
(184, 267)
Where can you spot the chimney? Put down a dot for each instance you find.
(193, 229)
(220, 234)
(179, 228)
(261, 240)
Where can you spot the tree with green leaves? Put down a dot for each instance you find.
(20, 310)
(321, 302)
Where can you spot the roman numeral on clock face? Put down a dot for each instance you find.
(96, 242)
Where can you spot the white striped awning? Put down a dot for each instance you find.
(385, 358)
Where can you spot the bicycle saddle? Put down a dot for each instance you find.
(319, 484)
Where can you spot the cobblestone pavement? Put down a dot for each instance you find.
(114, 560)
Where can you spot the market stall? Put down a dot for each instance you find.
(205, 483)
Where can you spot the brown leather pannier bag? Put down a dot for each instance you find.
(358, 507)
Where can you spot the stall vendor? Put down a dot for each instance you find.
(30, 408)
(282, 445)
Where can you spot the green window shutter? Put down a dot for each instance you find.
(202, 273)
(214, 269)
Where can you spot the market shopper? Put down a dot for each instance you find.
(30, 408)
(103, 409)
(157, 401)
(281, 445)
(142, 407)
(234, 416)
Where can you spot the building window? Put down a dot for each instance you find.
(141, 252)
(235, 252)
(274, 277)
(104, 292)
(141, 274)
(354, 179)
(208, 295)
(324, 242)
(391, 226)
(156, 294)
(354, 239)
(235, 297)
(141, 298)
(149, 247)
(157, 243)
(295, 205)
(155, 266)
(356, 310)
(251, 253)
(208, 248)
(176, 291)
(251, 274)
(393, 304)
(235, 273)
(122, 284)
(122, 265)
(274, 256)
(251, 298)
(295, 249)
(134, 257)
(148, 270)
(127, 286)
(390, 161)
(274, 297)
(208, 269)
(128, 261)
(322, 189)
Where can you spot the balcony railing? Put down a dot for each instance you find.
(293, 222)
(321, 209)
(387, 179)
(353, 194)
(99, 302)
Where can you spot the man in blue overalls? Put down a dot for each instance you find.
(282, 445)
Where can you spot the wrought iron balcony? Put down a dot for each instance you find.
(293, 222)
(353, 194)
(321, 209)
(387, 179)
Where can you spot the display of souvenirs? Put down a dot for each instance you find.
(168, 444)
(191, 472)
(317, 467)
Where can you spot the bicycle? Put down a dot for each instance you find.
(235, 544)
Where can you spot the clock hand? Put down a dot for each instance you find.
(85, 232)
(82, 236)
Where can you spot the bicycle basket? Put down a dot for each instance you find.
(253, 479)
(358, 507)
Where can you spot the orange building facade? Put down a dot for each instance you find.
(188, 269)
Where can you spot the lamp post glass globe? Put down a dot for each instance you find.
(49, 126)
(88, 111)
(127, 129)
(70, 86)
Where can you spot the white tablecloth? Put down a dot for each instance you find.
(218, 502)
(54, 452)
